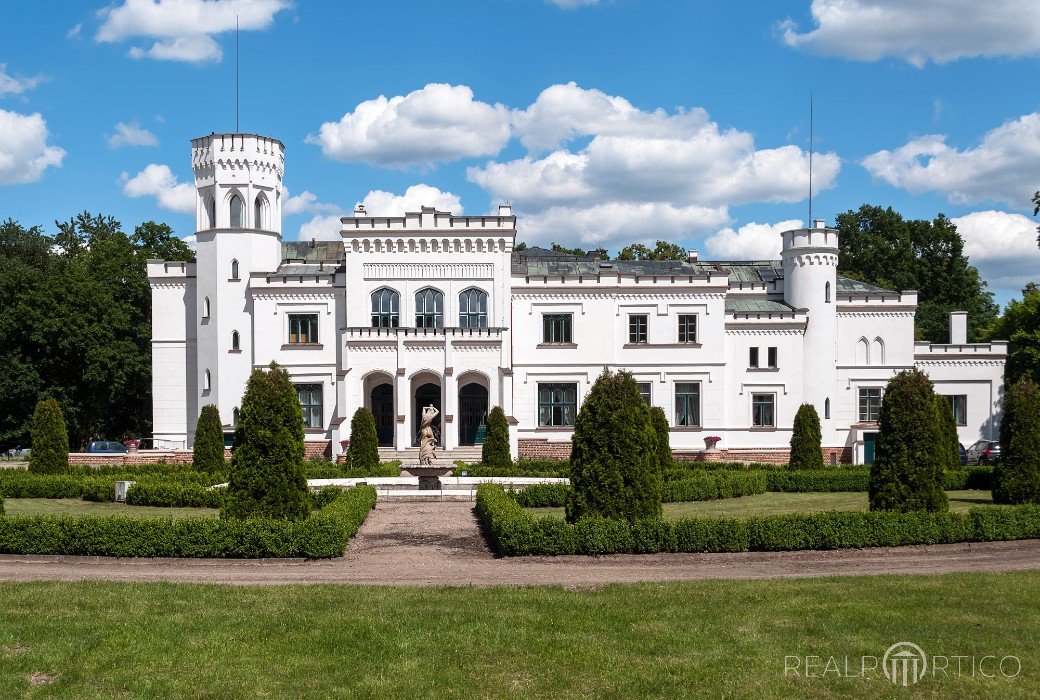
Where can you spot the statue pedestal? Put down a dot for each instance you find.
(428, 474)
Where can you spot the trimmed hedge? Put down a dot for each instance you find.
(170, 494)
(322, 535)
(714, 485)
(542, 495)
(518, 533)
(560, 468)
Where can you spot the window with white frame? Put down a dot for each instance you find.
(473, 309)
(688, 404)
(644, 391)
(869, 404)
(687, 328)
(557, 404)
(386, 304)
(303, 328)
(310, 401)
(429, 308)
(959, 406)
(637, 328)
(556, 328)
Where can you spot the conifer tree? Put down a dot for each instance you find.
(615, 468)
(665, 460)
(1016, 476)
(267, 474)
(50, 440)
(806, 439)
(208, 449)
(951, 452)
(907, 473)
(495, 451)
(363, 450)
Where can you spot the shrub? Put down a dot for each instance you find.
(542, 495)
(495, 451)
(907, 473)
(819, 480)
(267, 478)
(664, 442)
(363, 451)
(208, 449)
(614, 464)
(559, 468)
(1016, 478)
(50, 439)
(171, 494)
(709, 486)
(947, 426)
(806, 447)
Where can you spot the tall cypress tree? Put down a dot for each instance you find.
(907, 473)
(1016, 476)
(951, 445)
(50, 440)
(208, 448)
(806, 439)
(363, 450)
(615, 468)
(267, 474)
(495, 451)
(659, 420)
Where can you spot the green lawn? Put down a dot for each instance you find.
(79, 508)
(782, 503)
(724, 638)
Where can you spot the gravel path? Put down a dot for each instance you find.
(440, 544)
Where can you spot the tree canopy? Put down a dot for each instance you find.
(880, 247)
(663, 250)
(600, 253)
(76, 325)
(1020, 325)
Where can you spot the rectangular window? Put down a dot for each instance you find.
(637, 324)
(556, 328)
(771, 357)
(687, 328)
(869, 404)
(959, 405)
(644, 391)
(763, 410)
(303, 328)
(310, 402)
(557, 404)
(752, 357)
(688, 404)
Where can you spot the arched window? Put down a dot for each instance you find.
(207, 381)
(473, 309)
(236, 211)
(258, 212)
(386, 305)
(429, 309)
(234, 269)
(205, 308)
(827, 408)
(211, 212)
(234, 416)
(235, 344)
(827, 293)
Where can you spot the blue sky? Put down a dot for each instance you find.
(603, 123)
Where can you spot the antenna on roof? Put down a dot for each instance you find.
(810, 155)
(236, 76)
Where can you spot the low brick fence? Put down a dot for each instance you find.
(312, 449)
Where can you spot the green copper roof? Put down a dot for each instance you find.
(756, 306)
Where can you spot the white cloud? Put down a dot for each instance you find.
(752, 241)
(1002, 167)
(920, 31)
(74, 31)
(24, 152)
(571, 4)
(183, 29)
(12, 85)
(380, 203)
(1003, 246)
(437, 123)
(131, 135)
(322, 228)
(304, 202)
(191, 241)
(159, 181)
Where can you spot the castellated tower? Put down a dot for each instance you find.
(810, 260)
(238, 179)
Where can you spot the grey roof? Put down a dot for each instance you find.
(313, 251)
(307, 269)
(851, 286)
(541, 262)
(745, 306)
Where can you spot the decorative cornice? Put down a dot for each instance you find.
(958, 362)
(296, 296)
(428, 271)
(875, 313)
(616, 293)
(764, 331)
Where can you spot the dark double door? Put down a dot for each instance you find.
(427, 395)
(383, 412)
(473, 408)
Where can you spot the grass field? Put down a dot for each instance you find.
(782, 503)
(727, 638)
(78, 508)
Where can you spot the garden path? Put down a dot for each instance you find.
(440, 544)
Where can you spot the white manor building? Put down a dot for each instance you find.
(429, 307)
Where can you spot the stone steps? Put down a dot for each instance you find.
(453, 488)
(468, 454)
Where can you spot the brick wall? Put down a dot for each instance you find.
(317, 448)
(841, 455)
(541, 448)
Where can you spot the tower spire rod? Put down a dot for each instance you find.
(810, 155)
(236, 74)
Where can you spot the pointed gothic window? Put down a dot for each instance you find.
(236, 211)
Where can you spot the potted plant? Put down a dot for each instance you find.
(132, 445)
(711, 441)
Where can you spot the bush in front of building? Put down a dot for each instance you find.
(909, 462)
(947, 424)
(659, 420)
(208, 449)
(363, 450)
(1016, 476)
(495, 451)
(806, 439)
(615, 471)
(267, 474)
(50, 439)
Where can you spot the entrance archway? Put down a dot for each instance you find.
(426, 395)
(382, 402)
(473, 408)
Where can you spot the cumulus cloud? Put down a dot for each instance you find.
(304, 202)
(752, 241)
(13, 85)
(382, 203)
(183, 29)
(321, 228)
(436, 123)
(24, 152)
(917, 32)
(131, 135)
(1002, 167)
(1003, 247)
(158, 181)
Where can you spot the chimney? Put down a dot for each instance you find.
(819, 223)
(359, 210)
(505, 209)
(958, 328)
(691, 255)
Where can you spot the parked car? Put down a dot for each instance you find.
(17, 452)
(106, 447)
(983, 452)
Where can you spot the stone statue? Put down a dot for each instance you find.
(427, 440)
